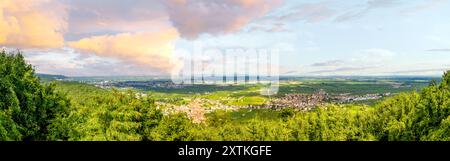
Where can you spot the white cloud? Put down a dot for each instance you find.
(363, 62)
(373, 56)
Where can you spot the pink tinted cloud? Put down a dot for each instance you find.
(194, 17)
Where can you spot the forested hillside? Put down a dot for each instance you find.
(27, 108)
(30, 110)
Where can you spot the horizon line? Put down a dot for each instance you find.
(384, 75)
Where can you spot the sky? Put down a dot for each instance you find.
(145, 37)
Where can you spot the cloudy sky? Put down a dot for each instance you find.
(141, 37)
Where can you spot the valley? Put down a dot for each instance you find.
(297, 93)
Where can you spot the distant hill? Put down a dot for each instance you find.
(50, 76)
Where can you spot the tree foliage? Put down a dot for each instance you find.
(27, 108)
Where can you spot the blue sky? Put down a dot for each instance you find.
(389, 38)
(328, 37)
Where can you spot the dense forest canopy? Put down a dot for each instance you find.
(31, 110)
(27, 108)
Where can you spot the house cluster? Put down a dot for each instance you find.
(347, 98)
(196, 109)
(299, 101)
